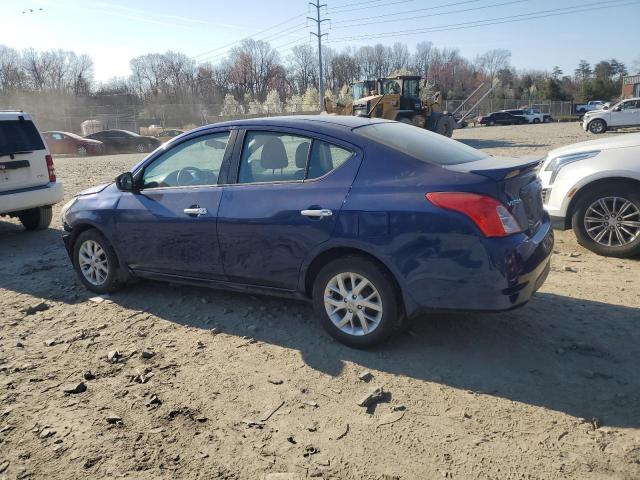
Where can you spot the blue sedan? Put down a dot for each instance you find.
(371, 220)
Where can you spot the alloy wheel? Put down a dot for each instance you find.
(353, 304)
(612, 221)
(140, 148)
(596, 126)
(93, 262)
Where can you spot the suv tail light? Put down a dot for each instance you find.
(51, 168)
(491, 216)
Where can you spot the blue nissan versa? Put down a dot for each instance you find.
(372, 220)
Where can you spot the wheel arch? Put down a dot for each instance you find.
(584, 189)
(335, 252)
(82, 227)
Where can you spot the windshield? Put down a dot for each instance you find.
(421, 144)
(19, 136)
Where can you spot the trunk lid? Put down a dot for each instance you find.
(517, 186)
(23, 153)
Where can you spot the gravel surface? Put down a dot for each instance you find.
(163, 381)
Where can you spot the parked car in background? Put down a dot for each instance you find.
(589, 106)
(501, 118)
(124, 141)
(166, 135)
(61, 143)
(531, 115)
(28, 184)
(369, 219)
(594, 188)
(623, 114)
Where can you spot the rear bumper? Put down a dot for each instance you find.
(496, 274)
(17, 200)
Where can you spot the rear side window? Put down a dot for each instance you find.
(273, 157)
(421, 144)
(325, 157)
(19, 136)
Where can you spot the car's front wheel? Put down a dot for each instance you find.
(82, 150)
(356, 301)
(597, 126)
(36, 218)
(606, 220)
(536, 120)
(96, 262)
(141, 148)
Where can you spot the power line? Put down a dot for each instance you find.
(346, 6)
(491, 21)
(350, 21)
(257, 33)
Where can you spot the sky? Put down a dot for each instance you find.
(113, 32)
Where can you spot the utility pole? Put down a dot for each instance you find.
(319, 21)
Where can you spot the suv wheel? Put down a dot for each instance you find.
(597, 126)
(95, 262)
(36, 218)
(607, 220)
(356, 302)
(536, 120)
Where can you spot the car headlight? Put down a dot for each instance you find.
(65, 208)
(556, 164)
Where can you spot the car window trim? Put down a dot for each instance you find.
(139, 174)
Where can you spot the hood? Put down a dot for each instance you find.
(619, 141)
(93, 190)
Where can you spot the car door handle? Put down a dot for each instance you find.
(324, 212)
(195, 211)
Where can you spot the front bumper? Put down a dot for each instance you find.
(14, 201)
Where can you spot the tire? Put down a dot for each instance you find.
(588, 207)
(141, 148)
(379, 284)
(82, 150)
(597, 126)
(445, 126)
(36, 218)
(491, 124)
(536, 120)
(104, 282)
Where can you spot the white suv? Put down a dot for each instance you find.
(594, 188)
(623, 114)
(28, 186)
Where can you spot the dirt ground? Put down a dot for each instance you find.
(548, 391)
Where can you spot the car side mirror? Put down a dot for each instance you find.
(126, 183)
(605, 107)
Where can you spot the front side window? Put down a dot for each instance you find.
(632, 104)
(273, 157)
(191, 163)
(411, 88)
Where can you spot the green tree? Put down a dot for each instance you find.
(583, 71)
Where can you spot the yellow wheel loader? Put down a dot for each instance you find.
(396, 98)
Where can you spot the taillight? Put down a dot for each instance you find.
(51, 168)
(491, 217)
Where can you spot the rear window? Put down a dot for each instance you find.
(421, 144)
(19, 136)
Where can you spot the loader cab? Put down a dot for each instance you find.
(407, 87)
(363, 89)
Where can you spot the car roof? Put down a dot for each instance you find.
(313, 122)
(13, 115)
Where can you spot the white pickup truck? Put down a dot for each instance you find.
(589, 106)
(28, 186)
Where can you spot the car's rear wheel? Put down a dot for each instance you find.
(141, 148)
(606, 220)
(96, 262)
(356, 301)
(597, 126)
(36, 218)
(82, 150)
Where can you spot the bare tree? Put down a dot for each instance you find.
(303, 67)
(493, 61)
